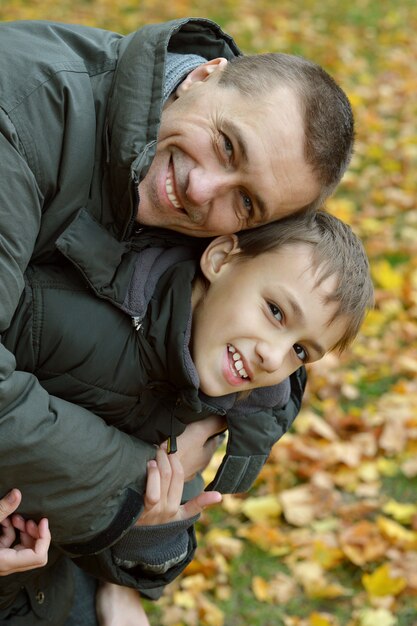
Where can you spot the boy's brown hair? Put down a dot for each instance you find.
(336, 250)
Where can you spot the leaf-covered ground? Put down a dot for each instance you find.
(328, 537)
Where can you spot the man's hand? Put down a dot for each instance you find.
(164, 489)
(32, 551)
(197, 444)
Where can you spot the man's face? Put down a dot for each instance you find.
(225, 162)
(260, 320)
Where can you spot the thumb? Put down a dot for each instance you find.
(9, 503)
(199, 503)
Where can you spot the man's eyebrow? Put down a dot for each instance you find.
(299, 315)
(233, 129)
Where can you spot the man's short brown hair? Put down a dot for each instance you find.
(325, 108)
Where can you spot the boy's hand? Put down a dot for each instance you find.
(32, 551)
(164, 491)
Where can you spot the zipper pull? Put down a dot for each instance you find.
(172, 444)
(136, 321)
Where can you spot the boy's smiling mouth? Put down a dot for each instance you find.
(236, 363)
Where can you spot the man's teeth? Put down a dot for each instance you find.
(170, 193)
(238, 363)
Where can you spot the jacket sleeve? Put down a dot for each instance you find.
(147, 558)
(255, 424)
(86, 477)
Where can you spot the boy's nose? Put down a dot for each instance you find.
(271, 355)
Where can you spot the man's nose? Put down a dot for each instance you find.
(205, 185)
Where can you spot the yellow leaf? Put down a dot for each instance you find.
(400, 511)
(319, 619)
(260, 588)
(184, 599)
(266, 537)
(261, 509)
(387, 467)
(222, 541)
(372, 226)
(209, 613)
(327, 556)
(382, 583)
(387, 276)
(343, 208)
(382, 617)
(278, 590)
(368, 471)
(362, 542)
(316, 585)
(396, 533)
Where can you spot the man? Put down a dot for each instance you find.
(102, 135)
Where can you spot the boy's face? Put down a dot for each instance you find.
(225, 162)
(260, 319)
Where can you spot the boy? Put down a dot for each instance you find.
(223, 340)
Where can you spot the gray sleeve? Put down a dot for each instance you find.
(154, 548)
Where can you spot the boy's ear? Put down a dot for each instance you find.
(200, 73)
(217, 254)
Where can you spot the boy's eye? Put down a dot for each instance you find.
(300, 352)
(247, 203)
(276, 311)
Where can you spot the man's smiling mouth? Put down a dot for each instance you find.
(236, 362)
(169, 188)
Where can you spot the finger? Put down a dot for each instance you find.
(8, 534)
(43, 543)
(18, 522)
(44, 532)
(165, 472)
(176, 487)
(153, 485)
(199, 503)
(9, 503)
(32, 529)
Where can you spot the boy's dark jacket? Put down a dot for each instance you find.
(79, 117)
(133, 367)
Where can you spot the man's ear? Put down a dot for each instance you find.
(217, 254)
(200, 73)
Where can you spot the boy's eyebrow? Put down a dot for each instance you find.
(299, 315)
(233, 129)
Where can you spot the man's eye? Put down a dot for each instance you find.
(228, 146)
(300, 352)
(276, 311)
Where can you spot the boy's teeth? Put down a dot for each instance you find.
(238, 363)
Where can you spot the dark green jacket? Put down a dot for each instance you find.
(73, 329)
(79, 115)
